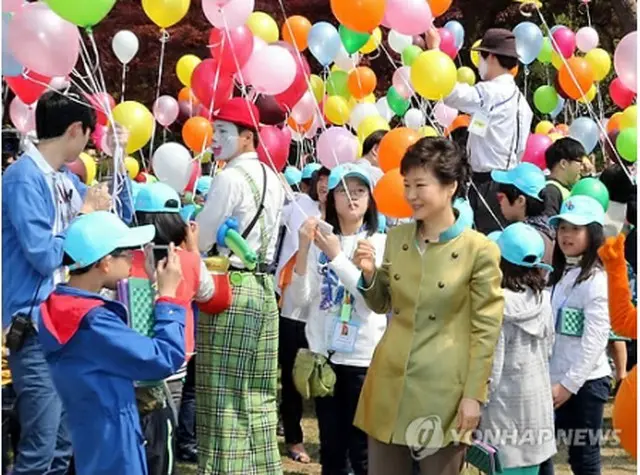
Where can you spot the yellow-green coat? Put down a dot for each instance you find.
(446, 310)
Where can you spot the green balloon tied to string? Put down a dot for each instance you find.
(627, 144)
(593, 188)
(398, 104)
(338, 84)
(546, 99)
(352, 40)
(84, 13)
(546, 53)
(410, 53)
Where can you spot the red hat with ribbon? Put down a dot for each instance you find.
(241, 112)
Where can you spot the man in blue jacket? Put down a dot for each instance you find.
(40, 198)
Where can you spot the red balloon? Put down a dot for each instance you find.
(274, 147)
(211, 86)
(620, 94)
(25, 88)
(203, 112)
(229, 47)
(537, 145)
(196, 172)
(271, 113)
(98, 101)
(98, 135)
(448, 43)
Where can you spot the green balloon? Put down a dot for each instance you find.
(84, 13)
(546, 99)
(410, 54)
(546, 52)
(594, 188)
(338, 84)
(627, 144)
(398, 104)
(352, 40)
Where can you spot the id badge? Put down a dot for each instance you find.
(343, 336)
(479, 124)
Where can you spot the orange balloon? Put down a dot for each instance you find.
(186, 94)
(197, 133)
(460, 121)
(394, 145)
(389, 195)
(362, 82)
(562, 129)
(359, 15)
(295, 31)
(625, 415)
(438, 7)
(580, 69)
(300, 128)
(514, 72)
(615, 122)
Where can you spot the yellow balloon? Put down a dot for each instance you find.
(589, 96)
(317, 87)
(557, 60)
(629, 118)
(374, 41)
(137, 119)
(337, 110)
(166, 13)
(544, 127)
(370, 99)
(600, 62)
(434, 75)
(206, 157)
(428, 131)
(264, 26)
(556, 137)
(185, 67)
(466, 76)
(90, 168)
(335, 68)
(475, 55)
(370, 125)
(132, 166)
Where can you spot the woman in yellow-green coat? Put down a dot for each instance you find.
(440, 282)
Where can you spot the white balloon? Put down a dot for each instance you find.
(125, 46)
(384, 110)
(361, 112)
(414, 118)
(172, 165)
(59, 83)
(346, 62)
(398, 41)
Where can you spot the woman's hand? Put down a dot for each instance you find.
(365, 259)
(560, 395)
(193, 234)
(307, 233)
(329, 244)
(432, 37)
(468, 414)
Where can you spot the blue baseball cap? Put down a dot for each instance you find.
(526, 177)
(153, 198)
(309, 170)
(293, 176)
(135, 189)
(348, 170)
(580, 210)
(92, 236)
(203, 185)
(521, 245)
(466, 215)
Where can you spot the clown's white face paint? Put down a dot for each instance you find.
(225, 140)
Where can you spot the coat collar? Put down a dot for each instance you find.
(462, 223)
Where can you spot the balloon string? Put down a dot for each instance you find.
(124, 82)
(164, 38)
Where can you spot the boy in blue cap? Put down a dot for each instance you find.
(94, 357)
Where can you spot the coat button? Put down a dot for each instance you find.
(441, 285)
(405, 247)
(396, 277)
(432, 317)
(396, 311)
(455, 255)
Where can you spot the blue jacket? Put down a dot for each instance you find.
(94, 358)
(30, 251)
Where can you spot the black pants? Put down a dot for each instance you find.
(341, 443)
(484, 221)
(158, 428)
(10, 427)
(187, 415)
(292, 338)
(582, 413)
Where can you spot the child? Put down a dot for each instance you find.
(520, 388)
(564, 161)
(579, 366)
(94, 357)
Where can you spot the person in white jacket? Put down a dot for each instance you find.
(340, 325)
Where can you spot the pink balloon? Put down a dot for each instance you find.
(273, 149)
(42, 41)
(620, 94)
(587, 39)
(402, 82)
(409, 17)
(59, 83)
(231, 48)
(229, 14)
(564, 41)
(537, 145)
(97, 135)
(10, 6)
(244, 74)
(299, 87)
(166, 110)
(448, 43)
(444, 114)
(23, 117)
(303, 111)
(625, 61)
(196, 172)
(337, 146)
(272, 71)
(187, 109)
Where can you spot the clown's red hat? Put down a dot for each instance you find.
(241, 112)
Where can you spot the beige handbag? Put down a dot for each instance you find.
(312, 375)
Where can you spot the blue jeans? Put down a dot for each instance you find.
(187, 416)
(45, 443)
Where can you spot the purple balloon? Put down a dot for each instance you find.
(337, 146)
(166, 110)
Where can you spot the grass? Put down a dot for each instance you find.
(614, 460)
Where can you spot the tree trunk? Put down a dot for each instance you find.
(626, 11)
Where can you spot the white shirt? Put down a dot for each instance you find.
(576, 360)
(615, 218)
(310, 290)
(231, 195)
(498, 101)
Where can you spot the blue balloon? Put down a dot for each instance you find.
(324, 42)
(585, 131)
(10, 66)
(457, 29)
(529, 41)
(559, 108)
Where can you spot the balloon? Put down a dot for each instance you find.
(466, 76)
(166, 13)
(545, 99)
(409, 17)
(557, 60)
(457, 29)
(389, 196)
(614, 123)
(324, 42)
(394, 145)
(359, 15)
(448, 43)
(475, 55)
(600, 63)
(317, 87)
(362, 81)
(196, 173)
(274, 147)
(587, 39)
(428, 131)
(529, 41)
(210, 87)
(537, 145)
(263, 26)
(231, 48)
(374, 41)
(305, 108)
(300, 128)
(546, 51)
(231, 14)
(398, 104)
(433, 75)
(338, 84)
(10, 6)
(197, 133)
(22, 116)
(444, 114)
(132, 166)
(576, 77)
(172, 165)
(185, 67)
(620, 94)
(361, 112)
(352, 40)
(10, 66)
(137, 119)
(559, 108)
(337, 146)
(42, 41)
(625, 413)
(59, 83)
(166, 110)
(629, 118)
(90, 168)
(625, 61)
(461, 121)
(125, 46)
(544, 127)
(414, 119)
(410, 54)
(186, 94)
(593, 188)
(344, 61)
(28, 86)
(402, 82)
(589, 96)
(98, 135)
(438, 7)
(337, 110)
(585, 131)
(370, 125)
(271, 113)
(383, 109)
(81, 12)
(398, 42)
(627, 144)
(564, 41)
(102, 103)
(295, 31)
